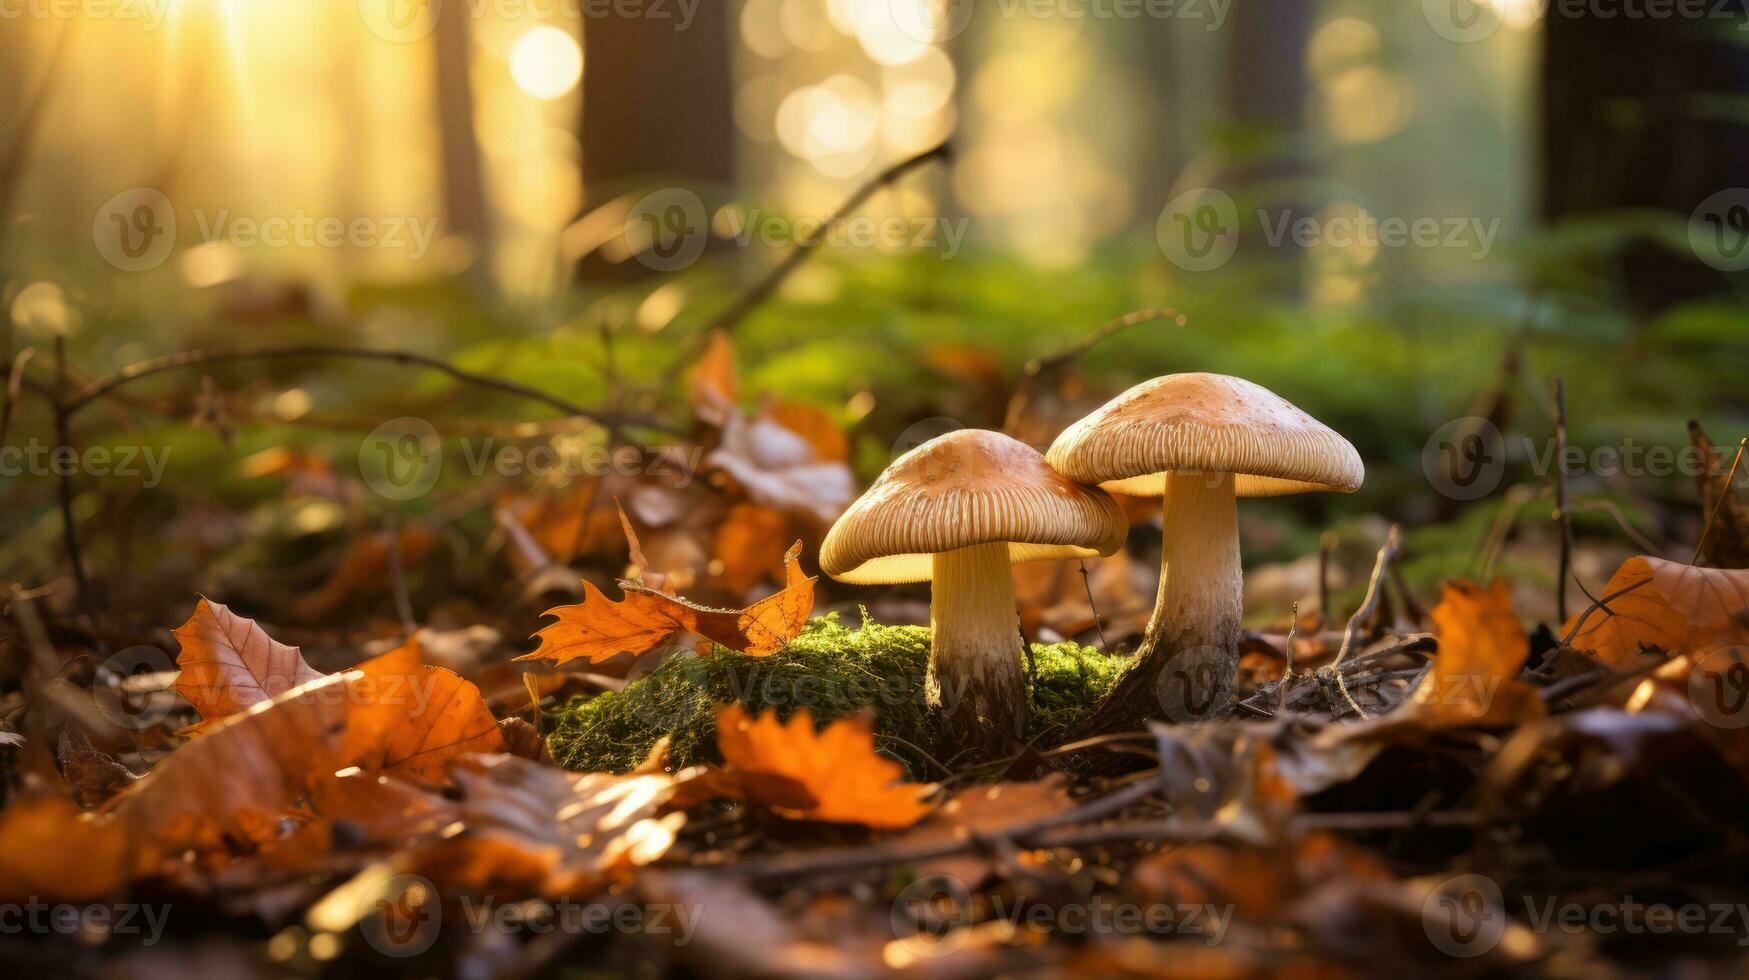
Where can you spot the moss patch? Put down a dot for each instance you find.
(829, 669)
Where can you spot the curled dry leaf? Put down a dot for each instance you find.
(1670, 609)
(534, 829)
(229, 663)
(1474, 678)
(832, 775)
(598, 628)
(987, 811)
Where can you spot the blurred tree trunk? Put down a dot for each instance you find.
(1626, 124)
(464, 189)
(1265, 95)
(658, 110)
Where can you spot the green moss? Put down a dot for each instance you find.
(829, 669)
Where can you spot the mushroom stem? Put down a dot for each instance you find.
(975, 670)
(1184, 669)
(1202, 588)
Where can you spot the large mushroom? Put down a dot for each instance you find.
(1198, 441)
(957, 511)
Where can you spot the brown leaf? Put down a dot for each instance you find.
(780, 469)
(1473, 680)
(712, 381)
(49, 849)
(230, 663)
(92, 774)
(987, 811)
(1674, 608)
(522, 739)
(832, 775)
(599, 628)
(537, 829)
(410, 719)
(819, 429)
(1727, 545)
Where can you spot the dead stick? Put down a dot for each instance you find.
(1725, 490)
(1374, 588)
(69, 531)
(1039, 365)
(1561, 514)
(144, 369)
(1326, 545)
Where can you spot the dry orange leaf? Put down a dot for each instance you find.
(50, 850)
(229, 663)
(410, 719)
(832, 775)
(749, 543)
(712, 381)
(1673, 608)
(819, 429)
(1474, 678)
(599, 628)
(536, 829)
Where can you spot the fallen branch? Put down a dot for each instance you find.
(1374, 589)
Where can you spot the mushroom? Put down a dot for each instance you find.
(957, 511)
(1198, 441)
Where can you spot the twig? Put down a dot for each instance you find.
(748, 301)
(1602, 604)
(1287, 674)
(1087, 584)
(1326, 545)
(13, 381)
(1621, 520)
(398, 581)
(158, 365)
(1561, 514)
(1724, 491)
(1039, 365)
(1374, 588)
(64, 474)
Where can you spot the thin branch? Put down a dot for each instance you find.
(1040, 365)
(64, 474)
(194, 358)
(1561, 513)
(1718, 504)
(1602, 604)
(748, 301)
(1374, 589)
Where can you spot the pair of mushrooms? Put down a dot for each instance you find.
(958, 510)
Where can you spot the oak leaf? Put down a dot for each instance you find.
(1663, 606)
(410, 719)
(229, 663)
(832, 775)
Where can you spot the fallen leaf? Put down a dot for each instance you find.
(984, 811)
(832, 775)
(749, 544)
(779, 468)
(712, 381)
(229, 663)
(1672, 609)
(521, 739)
(535, 829)
(599, 628)
(1473, 679)
(1727, 544)
(819, 429)
(92, 774)
(50, 850)
(411, 719)
(364, 569)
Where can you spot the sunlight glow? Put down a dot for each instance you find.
(546, 62)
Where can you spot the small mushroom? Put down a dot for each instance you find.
(1198, 441)
(957, 511)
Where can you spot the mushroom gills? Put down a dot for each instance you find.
(976, 660)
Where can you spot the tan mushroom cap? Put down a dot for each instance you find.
(1206, 423)
(966, 488)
